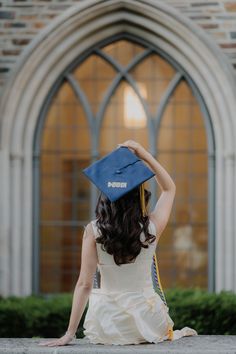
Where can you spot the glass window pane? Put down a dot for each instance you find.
(65, 192)
(60, 263)
(155, 74)
(94, 77)
(66, 148)
(123, 51)
(124, 119)
(187, 163)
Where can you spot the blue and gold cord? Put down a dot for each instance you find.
(157, 281)
(159, 290)
(142, 199)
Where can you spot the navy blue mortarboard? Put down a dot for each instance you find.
(118, 173)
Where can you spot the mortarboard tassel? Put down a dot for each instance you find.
(158, 280)
(142, 199)
(160, 291)
(156, 274)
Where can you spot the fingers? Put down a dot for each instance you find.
(44, 343)
(55, 344)
(52, 343)
(131, 149)
(131, 144)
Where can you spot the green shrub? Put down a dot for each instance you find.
(48, 316)
(208, 313)
(38, 316)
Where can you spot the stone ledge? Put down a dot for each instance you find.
(189, 345)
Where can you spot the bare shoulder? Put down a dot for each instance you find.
(89, 231)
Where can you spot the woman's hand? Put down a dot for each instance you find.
(135, 147)
(64, 340)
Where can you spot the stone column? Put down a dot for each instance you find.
(4, 223)
(16, 212)
(228, 212)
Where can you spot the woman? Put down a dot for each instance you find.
(121, 241)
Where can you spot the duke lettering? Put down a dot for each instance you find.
(117, 184)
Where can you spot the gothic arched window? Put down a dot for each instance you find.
(122, 89)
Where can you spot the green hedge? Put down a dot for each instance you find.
(36, 316)
(208, 313)
(48, 316)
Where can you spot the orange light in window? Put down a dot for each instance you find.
(134, 115)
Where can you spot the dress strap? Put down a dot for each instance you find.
(95, 230)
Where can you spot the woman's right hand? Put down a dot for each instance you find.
(135, 147)
(64, 340)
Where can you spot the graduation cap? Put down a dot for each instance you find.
(118, 173)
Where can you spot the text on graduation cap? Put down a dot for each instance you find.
(117, 184)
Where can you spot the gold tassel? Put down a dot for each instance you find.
(170, 333)
(142, 199)
(170, 328)
(158, 274)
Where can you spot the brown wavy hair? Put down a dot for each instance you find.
(120, 225)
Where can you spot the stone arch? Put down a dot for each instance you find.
(69, 35)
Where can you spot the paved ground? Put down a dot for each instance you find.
(190, 345)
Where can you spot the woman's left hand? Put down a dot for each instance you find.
(64, 340)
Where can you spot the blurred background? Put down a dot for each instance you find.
(67, 199)
(123, 86)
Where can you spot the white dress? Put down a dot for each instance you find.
(126, 309)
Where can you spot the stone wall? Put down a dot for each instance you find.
(21, 20)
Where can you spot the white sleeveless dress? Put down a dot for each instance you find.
(126, 309)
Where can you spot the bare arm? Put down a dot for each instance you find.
(83, 286)
(161, 213)
(85, 282)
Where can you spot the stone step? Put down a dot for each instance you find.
(201, 344)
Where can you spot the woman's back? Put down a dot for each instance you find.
(126, 309)
(133, 276)
(121, 243)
